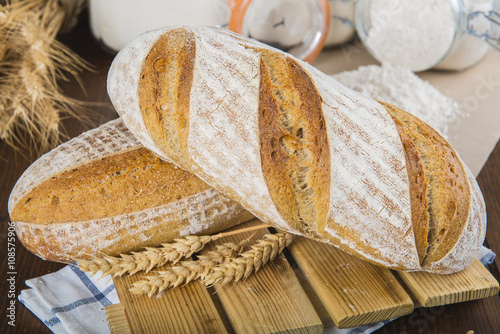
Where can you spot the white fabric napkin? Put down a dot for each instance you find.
(70, 301)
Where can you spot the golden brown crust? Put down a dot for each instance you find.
(131, 181)
(448, 190)
(164, 91)
(80, 240)
(418, 187)
(292, 137)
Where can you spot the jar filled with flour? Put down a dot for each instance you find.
(424, 34)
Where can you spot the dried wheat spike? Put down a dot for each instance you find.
(250, 261)
(146, 260)
(157, 257)
(32, 63)
(187, 271)
(183, 247)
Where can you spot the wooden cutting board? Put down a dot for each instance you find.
(311, 286)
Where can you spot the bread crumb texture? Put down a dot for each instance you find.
(292, 138)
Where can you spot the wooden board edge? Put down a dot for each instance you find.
(189, 305)
(117, 319)
(421, 283)
(301, 253)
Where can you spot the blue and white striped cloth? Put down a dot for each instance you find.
(70, 301)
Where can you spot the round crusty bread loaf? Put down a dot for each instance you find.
(103, 192)
(298, 149)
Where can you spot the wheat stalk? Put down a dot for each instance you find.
(145, 260)
(153, 257)
(215, 268)
(187, 271)
(32, 62)
(250, 261)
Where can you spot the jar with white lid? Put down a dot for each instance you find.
(424, 34)
(114, 23)
(301, 27)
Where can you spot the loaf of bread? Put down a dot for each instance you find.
(298, 149)
(103, 192)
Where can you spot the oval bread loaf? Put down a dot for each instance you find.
(298, 149)
(103, 192)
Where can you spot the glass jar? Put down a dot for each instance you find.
(420, 35)
(299, 27)
(114, 23)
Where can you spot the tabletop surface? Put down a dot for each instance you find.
(481, 316)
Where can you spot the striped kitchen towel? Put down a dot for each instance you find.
(70, 301)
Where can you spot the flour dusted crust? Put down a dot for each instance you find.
(81, 229)
(447, 191)
(232, 138)
(207, 212)
(111, 138)
(369, 217)
(224, 89)
(123, 76)
(370, 212)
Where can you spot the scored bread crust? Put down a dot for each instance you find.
(91, 145)
(447, 188)
(103, 192)
(472, 238)
(371, 218)
(240, 103)
(418, 188)
(296, 186)
(207, 212)
(172, 70)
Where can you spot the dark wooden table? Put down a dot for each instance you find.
(482, 316)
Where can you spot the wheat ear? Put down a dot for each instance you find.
(153, 257)
(145, 260)
(215, 267)
(187, 271)
(248, 262)
(32, 63)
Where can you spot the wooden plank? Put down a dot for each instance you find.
(475, 282)
(323, 314)
(117, 320)
(354, 292)
(269, 301)
(185, 309)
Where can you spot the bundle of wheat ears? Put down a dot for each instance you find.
(32, 63)
(228, 263)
